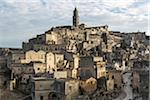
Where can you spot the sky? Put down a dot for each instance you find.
(21, 20)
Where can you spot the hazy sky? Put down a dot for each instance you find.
(24, 19)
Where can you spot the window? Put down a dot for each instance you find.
(70, 88)
(41, 98)
(42, 56)
(29, 69)
(115, 85)
(113, 77)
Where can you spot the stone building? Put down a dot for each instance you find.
(43, 89)
(100, 66)
(20, 75)
(32, 55)
(54, 89)
(76, 62)
(14, 57)
(52, 60)
(71, 89)
(86, 68)
(39, 67)
(114, 79)
(62, 74)
(44, 47)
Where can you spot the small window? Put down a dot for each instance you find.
(115, 85)
(30, 69)
(42, 56)
(113, 77)
(70, 88)
(41, 98)
(126, 64)
(40, 85)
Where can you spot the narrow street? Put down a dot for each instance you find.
(127, 87)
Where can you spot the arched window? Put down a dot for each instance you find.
(53, 96)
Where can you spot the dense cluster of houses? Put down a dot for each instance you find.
(78, 63)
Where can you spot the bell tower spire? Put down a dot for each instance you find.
(75, 17)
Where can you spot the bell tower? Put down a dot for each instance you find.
(75, 18)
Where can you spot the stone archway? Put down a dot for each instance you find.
(53, 96)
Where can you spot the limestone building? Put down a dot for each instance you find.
(75, 62)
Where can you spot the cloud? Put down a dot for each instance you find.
(23, 19)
